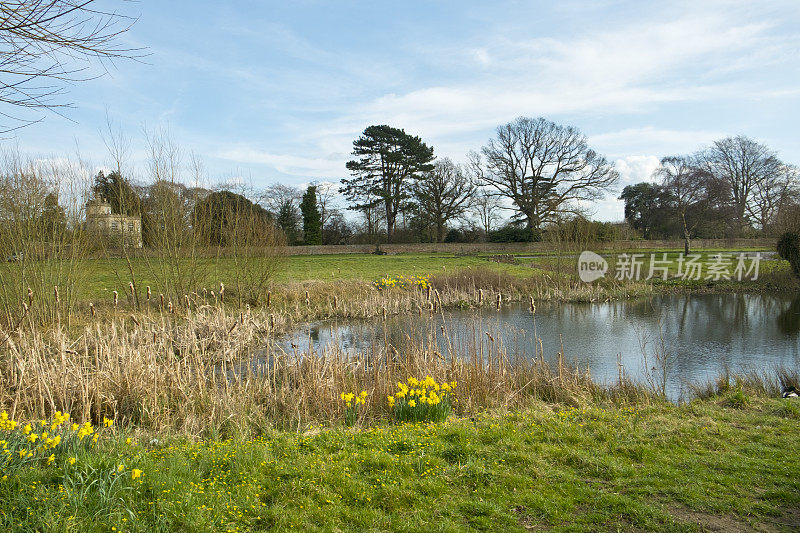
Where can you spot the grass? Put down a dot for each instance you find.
(654, 468)
(107, 275)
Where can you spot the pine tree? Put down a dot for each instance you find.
(389, 161)
(312, 218)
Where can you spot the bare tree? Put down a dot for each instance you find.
(326, 194)
(774, 194)
(443, 195)
(685, 182)
(277, 195)
(750, 170)
(47, 43)
(543, 168)
(487, 208)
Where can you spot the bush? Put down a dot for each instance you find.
(463, 235)
(789, 249)
(514, 233)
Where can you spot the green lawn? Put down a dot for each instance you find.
(100, 277)
(661, 468)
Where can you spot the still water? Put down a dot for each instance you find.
(702, 335)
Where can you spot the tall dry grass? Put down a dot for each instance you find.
(197, 375)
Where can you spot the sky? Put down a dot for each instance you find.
(276, 92)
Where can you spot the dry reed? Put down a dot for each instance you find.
(209, 372)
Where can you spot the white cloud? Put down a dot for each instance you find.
(284, 163)
(653, 140)
(635, 169)
(625, 71)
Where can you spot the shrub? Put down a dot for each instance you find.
(789, 249)
(514, 233)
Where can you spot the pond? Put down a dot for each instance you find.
(699, 336)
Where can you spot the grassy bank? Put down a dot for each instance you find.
(704, 466)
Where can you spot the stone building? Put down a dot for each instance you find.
(121, 229)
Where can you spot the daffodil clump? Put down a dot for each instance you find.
(401, 282)
(351, 403)
(56, 442)
(422, 400)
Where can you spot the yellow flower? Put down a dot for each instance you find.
(71, 460)
(120, 468)
(51, 458)
(32, 437)
(363, 394)
(27, 429)
(128, 440)
(107, 423)
(391, 401)
(136, 474)
(74, 427)
(412, 403)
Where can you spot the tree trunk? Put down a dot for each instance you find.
(390, 220)
(531, 223)
(439, 231)
(685, 235)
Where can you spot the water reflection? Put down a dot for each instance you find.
(703, 334)
(789, 319)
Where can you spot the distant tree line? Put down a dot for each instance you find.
(737, 187)
(533, 180)
(542, 172)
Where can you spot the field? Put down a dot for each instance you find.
(726, 463)
(96, 279)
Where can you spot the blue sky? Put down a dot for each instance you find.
(275, 92)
